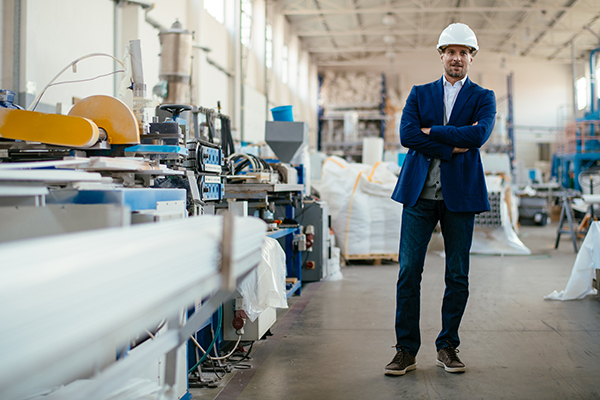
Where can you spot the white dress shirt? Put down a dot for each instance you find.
(432, 190)
(450, 95)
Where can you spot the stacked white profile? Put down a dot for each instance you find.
(68, 302)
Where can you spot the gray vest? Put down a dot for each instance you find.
(432, 190)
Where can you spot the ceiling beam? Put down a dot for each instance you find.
(585, 28)
(381, 32)
(554, 23)
(403, 49)
(359, 49)
(518, 22)
(383, 61)
(437, 10)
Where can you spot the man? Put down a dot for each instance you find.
(444, 123)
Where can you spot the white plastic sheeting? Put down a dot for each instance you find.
(265, 286)
(588, 259)
(335, 272)
(133, 389)
(365, 219)
(502, 240)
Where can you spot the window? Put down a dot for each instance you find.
(284, 64)
(216, 8)
(246, 22)
(269, 46)
(581, 86)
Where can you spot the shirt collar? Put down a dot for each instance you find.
(459, 83)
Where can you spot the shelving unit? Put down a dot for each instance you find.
(342, 127)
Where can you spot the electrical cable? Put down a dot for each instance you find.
(88, 79)
(35, 103)
(218, 358)
(212, 343)
(237, 363)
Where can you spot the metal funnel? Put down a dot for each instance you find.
(286, 139)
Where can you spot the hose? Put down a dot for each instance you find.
(212, 343)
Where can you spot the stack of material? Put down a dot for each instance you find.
(351, 89)
(70, 301)
(365, 219)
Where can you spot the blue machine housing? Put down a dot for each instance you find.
(211, 187)
(137, 199)
(587, 152)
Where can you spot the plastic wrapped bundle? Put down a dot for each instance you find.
(365, 219)
(265, 286)
(494, 232)
(351, 88)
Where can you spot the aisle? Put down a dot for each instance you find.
(515, 345)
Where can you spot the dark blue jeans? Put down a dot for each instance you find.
(418, 223)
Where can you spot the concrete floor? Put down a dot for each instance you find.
(335, 340)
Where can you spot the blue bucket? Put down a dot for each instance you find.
(282, 113)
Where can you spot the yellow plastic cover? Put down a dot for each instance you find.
(112, 115)
(55, 129)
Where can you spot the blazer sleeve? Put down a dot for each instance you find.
(469, 136)
(411, 135)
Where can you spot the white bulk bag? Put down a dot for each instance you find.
(365, 219)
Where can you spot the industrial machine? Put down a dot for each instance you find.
(108, 165)
(579, 149)
(315, 264)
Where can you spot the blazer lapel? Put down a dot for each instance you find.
(463, 96)
(437, 95)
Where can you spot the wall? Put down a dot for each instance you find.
(74, 28)
(542, 90)
(44, 55)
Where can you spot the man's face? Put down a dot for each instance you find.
(456, 59)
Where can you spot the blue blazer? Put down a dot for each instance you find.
(462, 177)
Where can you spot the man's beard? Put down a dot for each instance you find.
(461, 74)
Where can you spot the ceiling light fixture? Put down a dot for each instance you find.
(389, 19)
(389, 39)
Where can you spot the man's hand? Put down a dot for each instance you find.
(425, 130)
(457, 150)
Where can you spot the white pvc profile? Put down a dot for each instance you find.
(68, 302)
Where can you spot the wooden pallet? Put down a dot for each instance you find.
(376, 258)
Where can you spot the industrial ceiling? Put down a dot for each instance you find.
(369, 32)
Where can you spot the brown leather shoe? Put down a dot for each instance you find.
(448, 359)
(401, 363)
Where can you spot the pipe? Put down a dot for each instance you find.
(242, 72)
(224, 70)
(593, 77)
(17, 53)
(212, 62)
(116, 44)
(266, 86)
(574, 79)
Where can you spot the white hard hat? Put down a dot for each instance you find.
(459, 34)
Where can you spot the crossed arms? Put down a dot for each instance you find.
(442, 141)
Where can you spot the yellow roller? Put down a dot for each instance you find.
(110, 114)
(55, 129)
